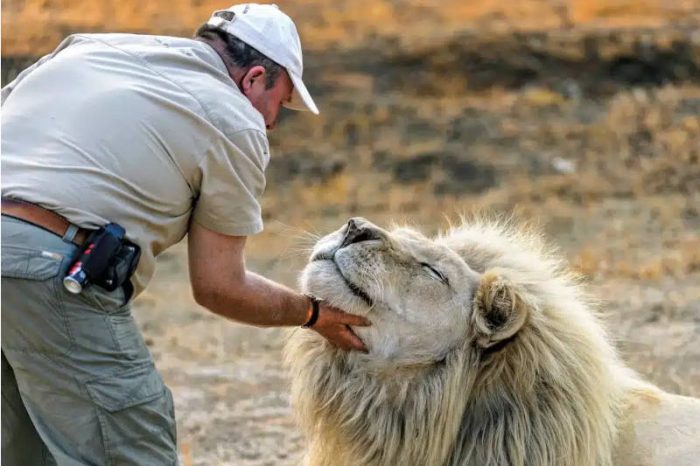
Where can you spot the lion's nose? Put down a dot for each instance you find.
(358, 230)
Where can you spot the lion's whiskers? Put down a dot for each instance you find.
(301, 241)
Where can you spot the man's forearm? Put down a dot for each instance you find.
(222, 284)
(253, 299)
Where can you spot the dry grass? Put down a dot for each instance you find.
(35, 27)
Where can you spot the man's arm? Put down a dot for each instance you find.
(222, 284)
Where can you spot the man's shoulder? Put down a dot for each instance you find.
(233, 113)
(116, 40)
(226, 106)
(199, 70)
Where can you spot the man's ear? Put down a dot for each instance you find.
(251, 76)
(499, 310)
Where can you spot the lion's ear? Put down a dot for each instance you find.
(499, 309)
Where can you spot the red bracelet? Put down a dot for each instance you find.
(313, 311)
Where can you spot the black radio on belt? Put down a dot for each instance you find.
(107, 259)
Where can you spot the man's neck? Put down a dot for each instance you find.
(236, 73)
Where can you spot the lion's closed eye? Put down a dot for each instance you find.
(435, 273)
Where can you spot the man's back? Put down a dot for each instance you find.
(136, 130)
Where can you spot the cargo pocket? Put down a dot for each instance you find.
(100, 324)
(136, 415)
(32, 317)
(107, 301)
(29, 264)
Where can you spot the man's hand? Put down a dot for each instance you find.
(334, 325)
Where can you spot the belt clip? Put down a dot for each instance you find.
(70, 233)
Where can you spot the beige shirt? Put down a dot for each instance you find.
(145, 131)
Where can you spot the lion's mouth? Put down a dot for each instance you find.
(354, 289)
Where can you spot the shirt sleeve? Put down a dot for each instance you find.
(7, 90)
(232, 182)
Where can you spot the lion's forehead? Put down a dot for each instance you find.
(404, 256)
(421, 248)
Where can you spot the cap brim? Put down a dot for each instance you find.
(301, 99)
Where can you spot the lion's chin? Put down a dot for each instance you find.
(325, 280)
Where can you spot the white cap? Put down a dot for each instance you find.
(272, 33)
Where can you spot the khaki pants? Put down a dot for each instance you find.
(78, 383)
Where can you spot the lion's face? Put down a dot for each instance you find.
(411, 288)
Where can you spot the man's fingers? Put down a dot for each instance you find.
(354, 341)
(346, 318)
(354, 319)
(334, 325)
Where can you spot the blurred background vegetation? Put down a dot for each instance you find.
(580, 115)
(433, 108)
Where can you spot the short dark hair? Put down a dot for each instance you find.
(241, 54)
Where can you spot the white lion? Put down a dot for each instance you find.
(483, 351)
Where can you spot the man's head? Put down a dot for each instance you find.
(262, 51)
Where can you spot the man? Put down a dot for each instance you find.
(165, 137)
